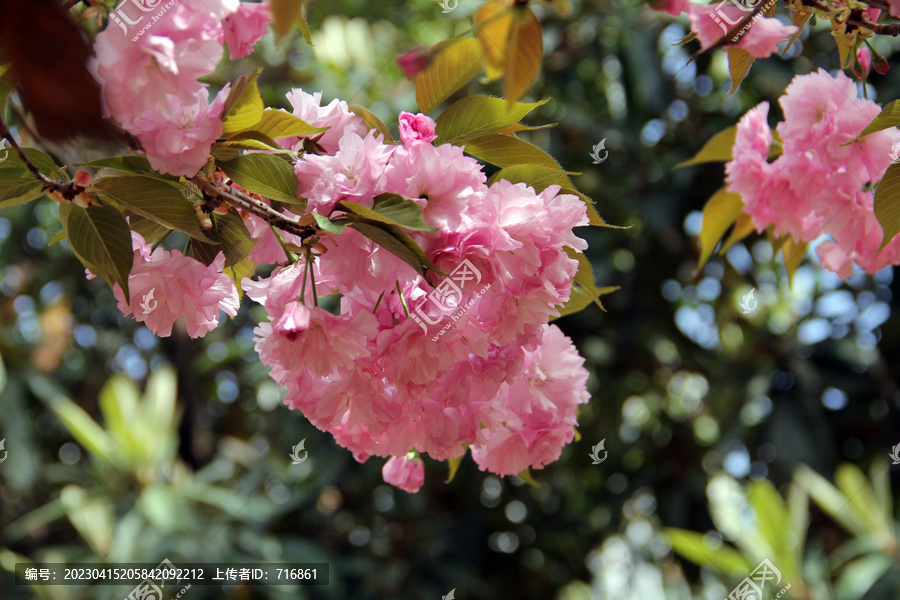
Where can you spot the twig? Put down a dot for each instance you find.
(259, 208)
(66, 190)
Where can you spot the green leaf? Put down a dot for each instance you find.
(129, 163)
(373, 122)
(527, 478)
(692, 546)
(453, 64)
(774, 523)
(101, 239)
(453, 464)
(579, 299)
(285, 15)
(537, 176)
(264, 174)
(739, 61)
(232, 238)
(525, 51)
(476, 116)
(85, 430)
(831, 501)
(887, 118)
(391, 209)
(60, 236)
(743, 227)
(13, 193)
(244, 105)
(717, 149)
(506, 150)
(328, 225)
(303, 26)
(719, 213)
(585, 275)
(887, 204)
(160, 201)
(857, 578)
(852, 482)
(276, 123)
(244, 269)
(397, 242)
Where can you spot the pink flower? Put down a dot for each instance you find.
(673, 7)
(335, 115)
(178, 137)
(167, 285)
(405, 473)
(245, 27)
(760, 37)
(414, 61)
(415, 128)
(864, 61)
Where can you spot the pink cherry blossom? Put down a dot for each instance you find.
(245, 27)
(406, 473)
(416, 128)
(713, 22)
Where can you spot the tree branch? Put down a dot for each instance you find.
(66, 190)
(259, 208)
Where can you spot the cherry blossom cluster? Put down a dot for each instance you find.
(821, 183)
(150, 84)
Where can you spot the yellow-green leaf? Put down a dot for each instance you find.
(793, 254)
(476, 116)
(692, 546)
(742, 228)
(887, 204)
(720, 212)
(453, 464)
(453, 64)
(285, 15)
(303, 26)
(372, 121)
(525, 51)
(739, 61)
(585, 275)
(887, 118)
(506, 150)
(276, 123)
(493, 23)
(244, 105)
(717, 149)
(527, 478)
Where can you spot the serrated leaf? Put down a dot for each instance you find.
(476, 116)
(264, 174)
(887, 204)
(506, 150)
(579, 299)
(232, 238)
(691, 545)
(285, 15)
(244, 105)
(391, 209)
(537, 176)
(327, 224)
(739, 61)
(40, 159)
(160, 201)
(719, 213)
(717, 149)
(303, 26)
(276, 123)
(247, 144)
(373, 122)
(525, 52)
(453, 64)
(453, 464)
(101, 239)
(799, 16)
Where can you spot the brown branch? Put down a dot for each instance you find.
(259, 208)
(859, 21)
(66, 190)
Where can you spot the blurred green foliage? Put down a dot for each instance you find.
(708, 415)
